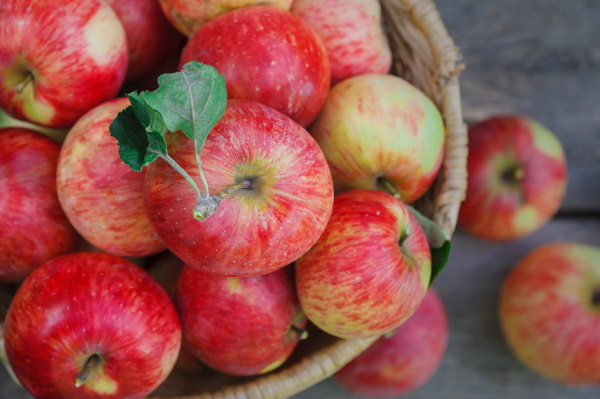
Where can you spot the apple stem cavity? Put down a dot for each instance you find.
(513, 175)
(385, 184)
(596, 297)
(91, 366)
(301, 333)
(26, 80)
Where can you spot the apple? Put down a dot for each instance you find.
(33, 226)
(380, 132)
(549, 311)
(100, 195)
(240, 326)
(285, 67)
(188, 15)
(403, 360)
(517, 177)
(91, 325)
(352, 33)
(150, 37)
(369, 270)
(270, 222)
(59, 59)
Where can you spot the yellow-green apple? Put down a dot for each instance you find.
(369, 270)
(150, 37)
(189, 15)
(380, 132)
(404, 359)
(352, 33)
(286, 67)
(549, 311)
(100, 195)
(59, 58)
(517, 176)
(240, 326)
(281, 205)
(33, 226)
(91, 325)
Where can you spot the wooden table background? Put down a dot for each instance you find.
(539, 58)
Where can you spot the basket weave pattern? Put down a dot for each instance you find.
(425, 55)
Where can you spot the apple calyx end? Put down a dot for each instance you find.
(91, 366)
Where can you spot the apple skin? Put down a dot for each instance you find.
(240, 326)
(286, 67)
(255, 230)
(549, 311)
(75, 51)
(404, 360)
(517, 177)
(29, 204)
(150, 37)
(101, 196)
(189, 15)
(369, 270)
(87, 303)
(377, 127)
(352, 33)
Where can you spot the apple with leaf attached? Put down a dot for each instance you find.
(59, 59)
(267, 190)
(91, 325)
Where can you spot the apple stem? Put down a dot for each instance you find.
(513, 175)
(301, 333)
(26, 80)
(89, 368)
(386, 185)
(207, 205)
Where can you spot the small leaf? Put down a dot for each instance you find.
(192, 100)
(439, 244)
(132, 139)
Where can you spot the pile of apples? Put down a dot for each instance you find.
(288, 205)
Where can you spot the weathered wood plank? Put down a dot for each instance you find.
(539, 58)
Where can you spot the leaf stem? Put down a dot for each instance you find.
(201, 172)
(183, 173)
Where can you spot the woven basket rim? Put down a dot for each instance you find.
(448, 192)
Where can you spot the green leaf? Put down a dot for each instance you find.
(132, 139)
(439, 244)
(192, 100)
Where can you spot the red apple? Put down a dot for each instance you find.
(189, 15)
(517, 177)
(549, 311)
(285, 67)
(403, 360)
(256, 229)
(102, 197)
(380, 132)
(33, 227)
(240, 326)
(59, 59)
(352, 33)
(369, 270)
(91, 325)
(150, 37)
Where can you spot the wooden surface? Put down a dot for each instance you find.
(539, 58)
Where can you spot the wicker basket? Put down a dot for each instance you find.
(426, 56)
